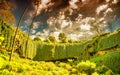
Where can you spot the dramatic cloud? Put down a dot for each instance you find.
(79, 19)
(36, 25)
(85, 27)
(101, 8)
(13, 4)
(44, 6)
(73, 4)
(115, 1)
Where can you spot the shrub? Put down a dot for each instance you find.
(86, 67)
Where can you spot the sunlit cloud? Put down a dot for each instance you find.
(36, 25)
(72, 36)
(85, 27)
(66, 23)
(108, 10)
(107, 1)
(115, 1)
(44, 6)
(28, 21)
(43, 34)
(101, 8)
(33, 31)
(70, 19)
(73, 4)
(56, 34)
(85, 1)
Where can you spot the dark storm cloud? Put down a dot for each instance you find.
(85, 7)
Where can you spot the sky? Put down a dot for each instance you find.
(78, 19)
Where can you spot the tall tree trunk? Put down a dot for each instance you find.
(30, 28)
(19, 23)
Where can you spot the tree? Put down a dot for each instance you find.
(70, 41)
(62, 37)
(5, 12)
(19, 23)
(37, 38)
(36, 2)
(52, 39)
(5, 5)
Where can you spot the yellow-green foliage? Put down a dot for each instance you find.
(1, 40)
(86, 67)
(1, 62)
(30, 49)
(107, 41)
(75, 50)
(19, 66)
(20, 42)
(44, 51)
(112, 61)
(60, 51)
(51, 51)
(118, 39)
(6, 31)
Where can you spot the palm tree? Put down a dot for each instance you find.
(19, 23)
(37, 3)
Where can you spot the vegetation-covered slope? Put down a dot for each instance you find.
(19, 66)
(38, 50)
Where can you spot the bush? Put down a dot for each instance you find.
(86, 67)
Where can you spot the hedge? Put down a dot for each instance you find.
(112, 61)
(54, 51)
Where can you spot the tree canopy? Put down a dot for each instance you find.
(62, 38)
(5, 12)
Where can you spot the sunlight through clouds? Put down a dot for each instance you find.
(71, 17)
(85, 27)
(101, 8)
(73, 4)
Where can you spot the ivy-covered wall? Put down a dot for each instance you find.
(37, 50)
(7, 32)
